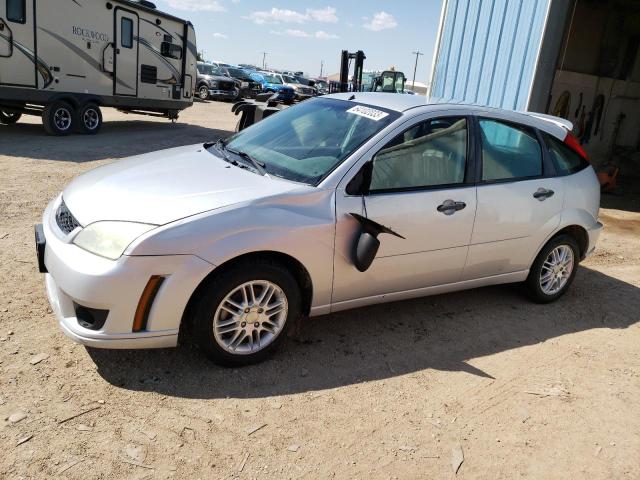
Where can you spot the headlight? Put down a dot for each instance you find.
(213, 84)
(110, 239)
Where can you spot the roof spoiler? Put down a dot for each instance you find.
(561, 122)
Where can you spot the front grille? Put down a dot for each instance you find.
(226, 85)
(66, 222)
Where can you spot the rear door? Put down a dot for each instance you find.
(421, 188)
(519, 199)
(17, 44)
(125, 76)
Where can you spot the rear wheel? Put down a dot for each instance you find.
(245, 312)
(89, 119)
(554, 269)
(9, 118)
(58, 118)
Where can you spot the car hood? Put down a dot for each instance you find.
(164, 186)
(218, 78)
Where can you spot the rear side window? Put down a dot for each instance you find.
(429, 154)
(126, 32)
(17, 11)
(565, 159)
(509, 151)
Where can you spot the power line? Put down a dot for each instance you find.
(415, 68)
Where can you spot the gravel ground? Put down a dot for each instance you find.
(402, 390)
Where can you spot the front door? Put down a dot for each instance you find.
(125, 75)
(422, 188)
(18, 62)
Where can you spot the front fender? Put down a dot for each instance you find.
(301, 226)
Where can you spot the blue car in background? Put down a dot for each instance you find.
(273, 83)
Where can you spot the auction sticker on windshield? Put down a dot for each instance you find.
(368, 112)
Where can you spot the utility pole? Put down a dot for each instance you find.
(415, 68)
(321, 67)
(264, 60)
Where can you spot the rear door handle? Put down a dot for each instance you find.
(449, 207)
(542, 194)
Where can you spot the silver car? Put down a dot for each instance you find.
(338, 202)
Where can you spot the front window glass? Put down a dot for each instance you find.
(305, 142)
(509, 151)
(288, 79)
(432, 153)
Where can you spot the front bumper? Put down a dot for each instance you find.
(225, 94)
(77, 276)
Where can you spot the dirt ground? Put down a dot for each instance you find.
(392, 391)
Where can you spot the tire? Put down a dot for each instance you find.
(89, 119)
(58, 118)
(240, 321)
(558, 278)
(203, 92)
(9, 118)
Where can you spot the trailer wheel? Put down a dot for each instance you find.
(58, 118)
(9, 118)
(89, 119)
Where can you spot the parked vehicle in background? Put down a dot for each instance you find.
(273, 83)
(322, 86)
(130, 56)
(338, 202)
(212, 83)
(302, 92)
(249, 88)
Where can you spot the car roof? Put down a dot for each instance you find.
(403, 103)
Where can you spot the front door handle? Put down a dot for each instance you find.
(449, 207)
(542, 194)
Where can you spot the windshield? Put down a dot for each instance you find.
(306, 142)
(207, 70)
(272, 78)
(236, 72)
(289, 79)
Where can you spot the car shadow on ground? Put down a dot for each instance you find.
(443, 332)
(116, 139)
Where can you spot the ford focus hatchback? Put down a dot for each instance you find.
(339, 202)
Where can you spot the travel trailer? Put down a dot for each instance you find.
(65, 59)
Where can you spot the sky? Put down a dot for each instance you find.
(298, 35)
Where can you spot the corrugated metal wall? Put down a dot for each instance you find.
(488, 50)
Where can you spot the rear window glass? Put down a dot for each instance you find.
(565, 159)
(17, 11)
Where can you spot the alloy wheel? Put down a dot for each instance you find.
(91, 119)
(556, 269)
(250, 317)
(62, 119)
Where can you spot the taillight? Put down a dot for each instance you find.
(572, 142)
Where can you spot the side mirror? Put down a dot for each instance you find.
(360, 183)
(365, 251)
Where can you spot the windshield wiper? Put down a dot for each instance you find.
(220, 147)
(258, 165)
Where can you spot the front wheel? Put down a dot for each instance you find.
(9, 118)
(244, 313)
(203, 92)
(553, 270)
